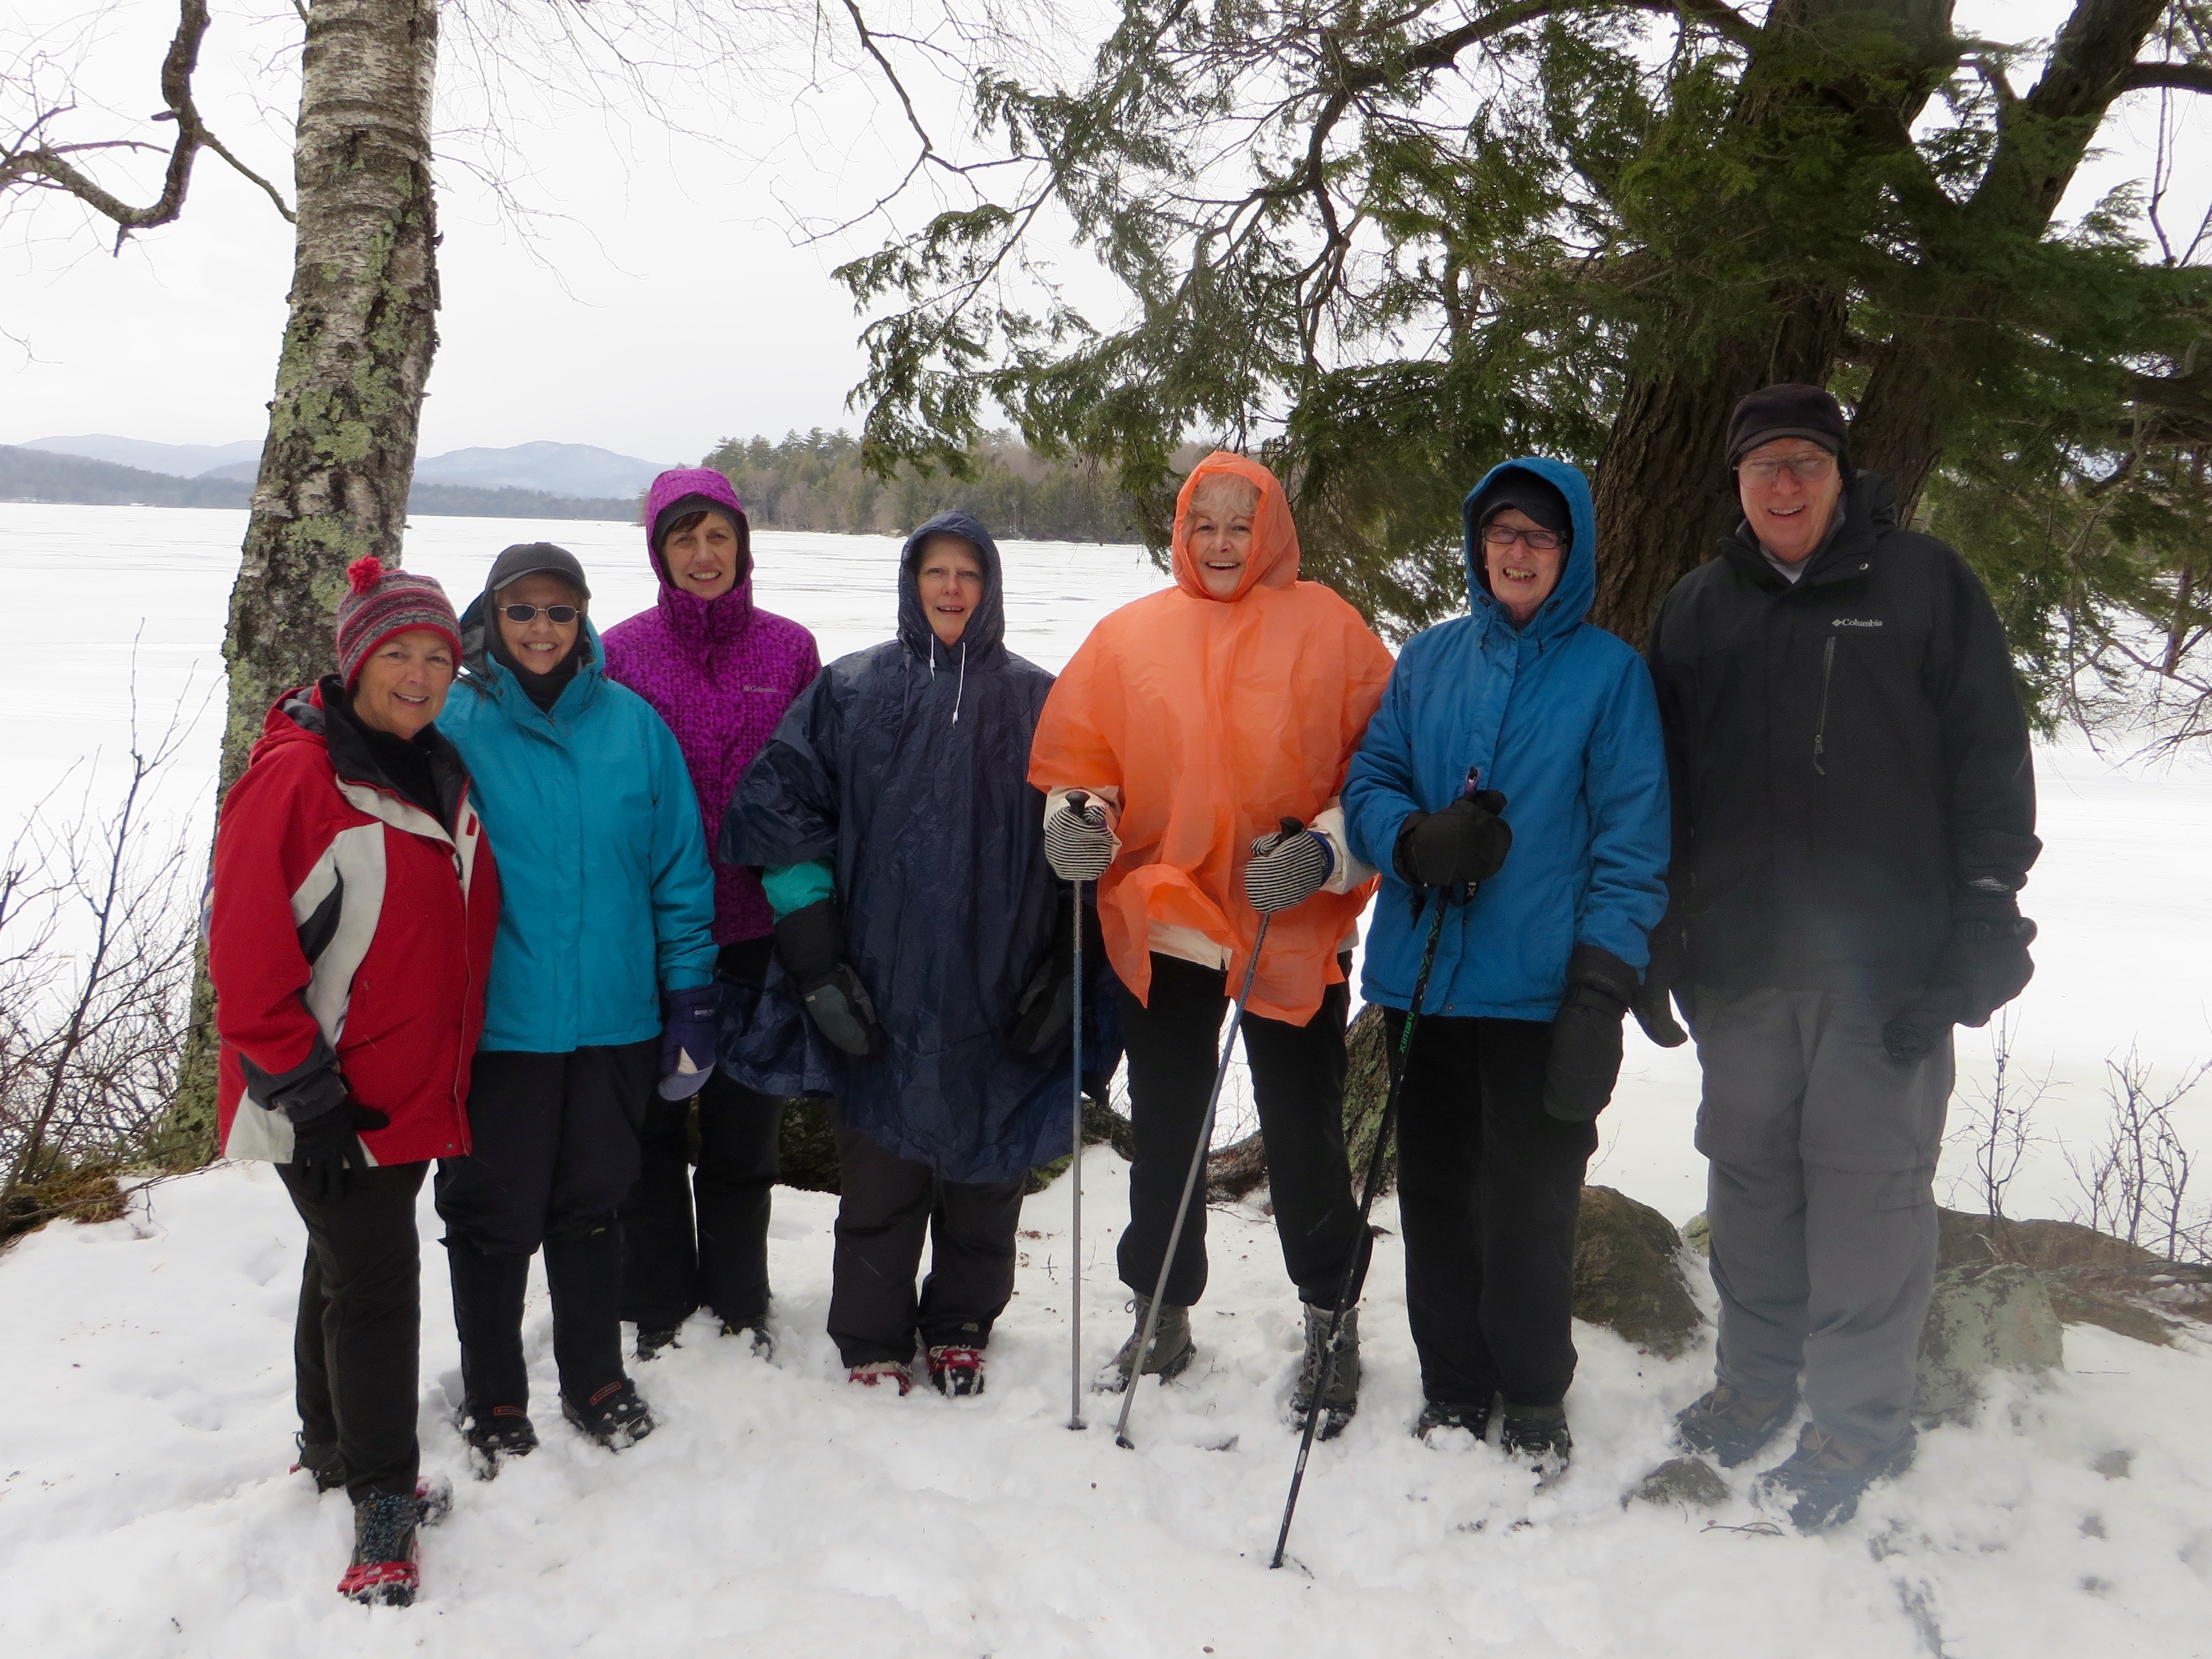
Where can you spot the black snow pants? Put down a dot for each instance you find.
(670, 1269)
(360, 1328)
(1489, 1191)
(1297, 1081)
(886, 1206)
(554, 1152)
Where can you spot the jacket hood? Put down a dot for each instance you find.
(985, 632)
(491, 675)
(1570, 600)
(1275, 561)
(700, 627)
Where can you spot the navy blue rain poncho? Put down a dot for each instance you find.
(907, 766)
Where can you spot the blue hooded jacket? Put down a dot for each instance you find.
(1559, 717)
(907, 766)
(607, 897)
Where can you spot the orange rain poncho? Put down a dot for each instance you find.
(1213, 718)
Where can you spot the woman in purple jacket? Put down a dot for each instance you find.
(720, 672)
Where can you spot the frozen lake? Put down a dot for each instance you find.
(2119, 892)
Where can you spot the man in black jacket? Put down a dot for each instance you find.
(1854, 813)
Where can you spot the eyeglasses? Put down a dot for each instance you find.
(1806, 469)
(1505, 535)
(560, 615)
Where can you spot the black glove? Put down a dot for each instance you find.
(1077, 843)
(1586, 1034)
(1286, 868)
(1466, 842)
(1669, 961)
(1984, 965)
(326, 1148)
(811, 945)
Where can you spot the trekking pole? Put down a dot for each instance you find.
(1079, 800)
(1289, 827)
(1366, 1206)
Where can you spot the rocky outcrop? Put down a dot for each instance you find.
(1628, 1275)
(1983, 1319)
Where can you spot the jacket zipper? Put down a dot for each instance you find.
(1820, 728)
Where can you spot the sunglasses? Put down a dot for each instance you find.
(1505, 535)
(559, 615)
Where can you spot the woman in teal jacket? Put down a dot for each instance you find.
(1517, 749)
(601, 983)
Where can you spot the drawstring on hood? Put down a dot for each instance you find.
(985, 632)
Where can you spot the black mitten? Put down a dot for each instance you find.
(1468, 841)
(811, 945)
(1585, 1060)
(1984, 965)
(1669, 962)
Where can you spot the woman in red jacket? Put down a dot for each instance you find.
(350, 931)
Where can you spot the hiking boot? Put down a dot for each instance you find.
(1822, 1481)
(1437, 1417)
(611, 1414)
(1171, 1353)
(1536, 1438)
(1339, 1396)
(383, 1573)
(322, 1463)
(495, 1435)
(763, 1345)
(958, 1372)
(651, 1342)
(876, 1372)
(1733, 1426)
(434, 1500)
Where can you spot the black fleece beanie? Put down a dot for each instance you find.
(1539, 498)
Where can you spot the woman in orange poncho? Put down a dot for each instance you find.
(1194, 720)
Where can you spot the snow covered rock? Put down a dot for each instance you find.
(1982, 1320)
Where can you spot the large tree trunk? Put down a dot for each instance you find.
(1663, 492)
(340, 452)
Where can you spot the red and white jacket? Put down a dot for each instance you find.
(349, 936)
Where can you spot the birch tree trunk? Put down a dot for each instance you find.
(340, 452)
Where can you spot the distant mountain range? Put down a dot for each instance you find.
(583, 471)
(30, 474)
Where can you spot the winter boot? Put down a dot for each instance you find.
(322, 1463)
(1437, 1417)
(1171, 1353)
(434, 1500)
(1340, 1395)
(383, 1573)
(613, 1415)
(877, 1372)
(1536, 1438)
(956, 1372)
(1821, 1482)
(652, 1340)
(496, 1435)
(1732, 1427)
(763, 1345)
(584, 1277)
(488, 1293)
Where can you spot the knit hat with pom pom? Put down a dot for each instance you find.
(379, 603)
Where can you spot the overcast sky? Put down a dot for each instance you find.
(655, 297)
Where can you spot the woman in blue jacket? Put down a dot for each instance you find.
(1514, 772)
(601, 984)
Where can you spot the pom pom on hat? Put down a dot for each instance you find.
(365, 572)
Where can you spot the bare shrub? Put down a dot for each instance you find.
(98, 935)
(2134, 1184)
(1999, 1125)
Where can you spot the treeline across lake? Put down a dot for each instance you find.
(816, 481)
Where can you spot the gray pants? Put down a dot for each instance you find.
(1821, 1201)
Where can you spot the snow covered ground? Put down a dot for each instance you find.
(143, 1508)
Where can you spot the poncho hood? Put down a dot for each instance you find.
(984, 640)
(1275, 561)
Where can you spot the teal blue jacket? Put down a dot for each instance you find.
(607, 898)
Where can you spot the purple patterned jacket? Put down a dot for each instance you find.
(720, 672)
